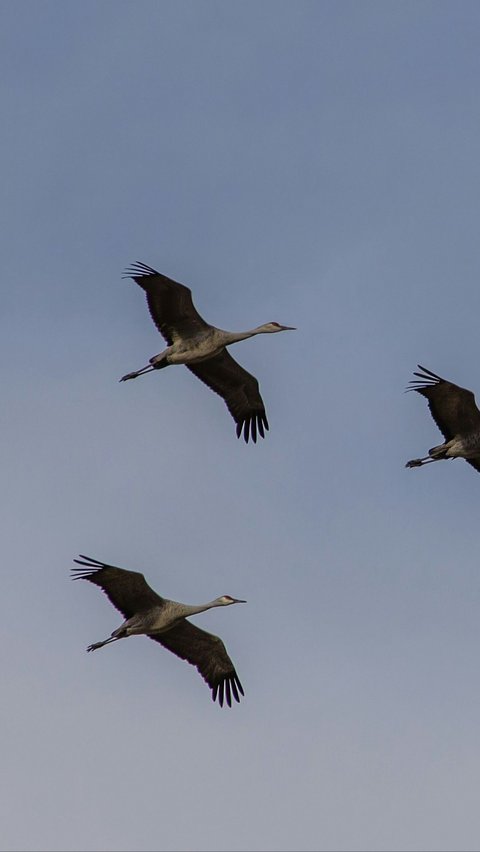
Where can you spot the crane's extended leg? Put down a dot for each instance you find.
(435, 454)
(156, 363)
(134, 375)
(105, 642)
(420, 462)
(159, 361)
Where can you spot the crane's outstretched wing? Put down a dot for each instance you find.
(453, 408)
(128, 591)
(170, 303)
(238, 388)
(208, 653)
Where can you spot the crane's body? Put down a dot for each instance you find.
(456, 414)
(159, 619)
(165, 621)
(202, 348)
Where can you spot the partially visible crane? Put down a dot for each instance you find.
(454, 410)
(165, 621)
(202, 348)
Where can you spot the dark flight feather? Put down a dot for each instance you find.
(208, 653)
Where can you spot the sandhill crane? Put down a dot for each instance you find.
(454, 410)
(202, 348)
(146, 613)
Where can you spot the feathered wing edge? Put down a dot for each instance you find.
(139, 269)
(208, 654)
(170, 303)
(90, 562)
(251, 425)
(426, 379)
(239, 390)
(128, 591)
(452, 407)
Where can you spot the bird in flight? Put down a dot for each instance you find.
(202, 348)
(454, 410)
(164, 621)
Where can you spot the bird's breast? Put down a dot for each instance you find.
(471, 444)
(195, 353)
(466, 446)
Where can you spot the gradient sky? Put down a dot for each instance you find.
(311, 163)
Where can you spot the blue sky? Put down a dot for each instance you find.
(315, 164)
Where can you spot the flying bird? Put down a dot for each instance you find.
(202, 348)
(454, 410)
(165, 621)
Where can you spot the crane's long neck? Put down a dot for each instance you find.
(235, 336)
(192, 609)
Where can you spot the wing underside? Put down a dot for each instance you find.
(170, 303)
(240, 391)
(128, 591)
(453, 408)
(208, 654)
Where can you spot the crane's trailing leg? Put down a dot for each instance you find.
(159, 361)
(419, 462)
(97, 645)
(156, 363)
(136, 373)
(435, 454)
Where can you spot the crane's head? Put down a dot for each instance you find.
(272, 327)
(226, 600)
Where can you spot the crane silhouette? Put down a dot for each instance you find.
(202, 348)
(454, 410)
(165, 621)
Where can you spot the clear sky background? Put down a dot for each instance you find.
(316, 164)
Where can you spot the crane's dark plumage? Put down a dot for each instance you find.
(164, 621)
(238, 388)
(208, 653)
(201, 347)
(455, 412)
(128, 591)
(170, 303)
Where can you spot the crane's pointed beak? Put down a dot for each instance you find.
(288, 328)
(237, 600)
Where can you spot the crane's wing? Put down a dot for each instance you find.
(128, 591)
(453, 408)
(208, 653)
(170, 303)
(238, 388)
